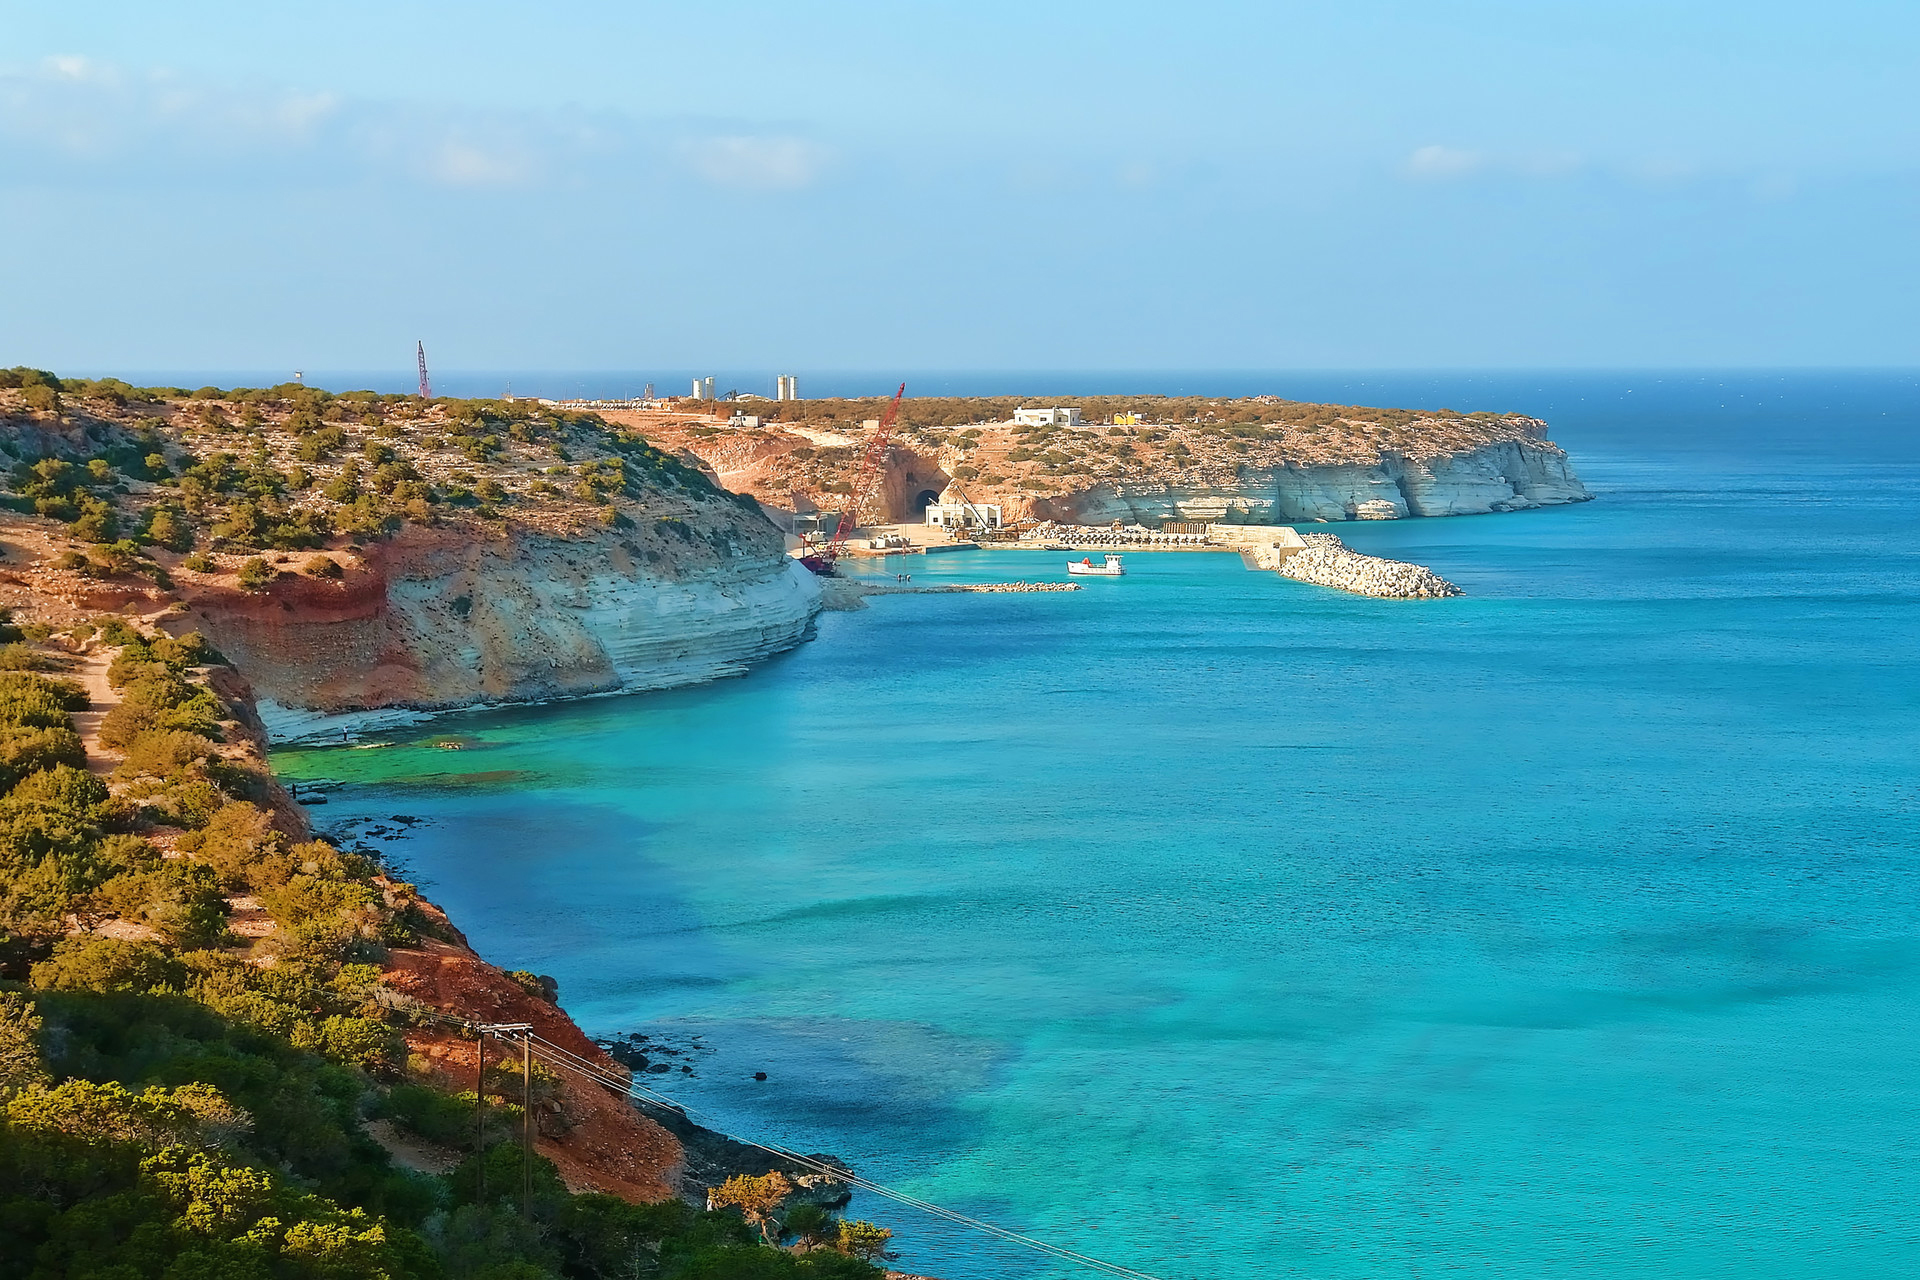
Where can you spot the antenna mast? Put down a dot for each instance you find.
(426, 388)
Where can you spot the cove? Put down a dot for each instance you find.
(1218, 924)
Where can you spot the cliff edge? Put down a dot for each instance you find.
(1145, 459)
(369, 559)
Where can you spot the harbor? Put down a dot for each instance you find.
(1321, 559)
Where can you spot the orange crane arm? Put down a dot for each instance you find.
(869, 473)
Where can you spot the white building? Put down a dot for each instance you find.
(1046, 417)
(964, 515)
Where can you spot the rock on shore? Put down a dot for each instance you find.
(1327, 562)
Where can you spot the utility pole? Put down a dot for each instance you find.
(480, 1111)
(525, 1031)
(526, 1116)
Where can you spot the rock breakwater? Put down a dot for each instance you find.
(847, 595)
(1015, 587)
(1327, 562)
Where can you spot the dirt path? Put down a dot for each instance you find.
(90, 669)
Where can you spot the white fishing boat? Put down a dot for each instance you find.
(1109, 567)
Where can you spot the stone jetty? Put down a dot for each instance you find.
(1327, 563)
(847, 594)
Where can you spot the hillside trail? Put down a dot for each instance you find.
(90, 669)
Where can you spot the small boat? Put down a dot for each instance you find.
(1086, 568)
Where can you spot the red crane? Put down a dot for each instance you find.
(426, 388)
(827, 556)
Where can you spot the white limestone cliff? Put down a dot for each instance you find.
(439, 624)
(1502, 476)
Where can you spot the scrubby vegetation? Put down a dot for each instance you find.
(227, 478)
(1120, 439)
(186, 1100)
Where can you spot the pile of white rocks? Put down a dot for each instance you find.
(1328, 563)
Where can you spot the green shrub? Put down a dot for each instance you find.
(25, 751)
(35, 700)
(108, 965)
(170, 529)
(157, 699)
(178, 898)
(96, 522)
(240, 844)
(60, 788)
(20, 657)
(433, 1115)
(164, 753)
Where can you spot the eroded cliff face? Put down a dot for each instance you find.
(1504, 476)
(438, 620)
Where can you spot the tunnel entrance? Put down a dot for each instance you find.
(925, 499)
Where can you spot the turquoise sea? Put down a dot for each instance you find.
(1220, 925)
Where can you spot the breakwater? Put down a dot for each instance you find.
(848, 594)
(1327, 562)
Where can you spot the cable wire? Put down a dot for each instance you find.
(567, 1060)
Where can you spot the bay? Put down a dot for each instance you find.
(1217, 924)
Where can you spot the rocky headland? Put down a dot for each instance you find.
(369, 560)
(1147, 460)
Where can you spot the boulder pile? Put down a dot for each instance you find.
(1327, 563)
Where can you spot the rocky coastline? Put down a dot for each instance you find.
(1511, 475)
(433, 624)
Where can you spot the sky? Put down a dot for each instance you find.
(1427, 184)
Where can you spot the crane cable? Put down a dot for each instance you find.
(567, 1060)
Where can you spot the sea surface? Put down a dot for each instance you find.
(1221, 925)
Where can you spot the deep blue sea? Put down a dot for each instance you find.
(1222, 925)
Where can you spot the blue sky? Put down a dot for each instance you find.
(963, 186)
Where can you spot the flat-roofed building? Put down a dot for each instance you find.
(964, 515)
(1046, 417)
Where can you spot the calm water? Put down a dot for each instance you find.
(1222, 925)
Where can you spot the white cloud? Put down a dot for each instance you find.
(777, 163)
(75, 108)
(72, 66)
(462, 164)
(1438, 163)
(1448, 164)
(106, 124)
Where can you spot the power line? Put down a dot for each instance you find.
(567, 1060)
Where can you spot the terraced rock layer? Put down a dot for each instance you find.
(437, 622)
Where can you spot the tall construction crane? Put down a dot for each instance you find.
(426, 388)
(824, 560)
